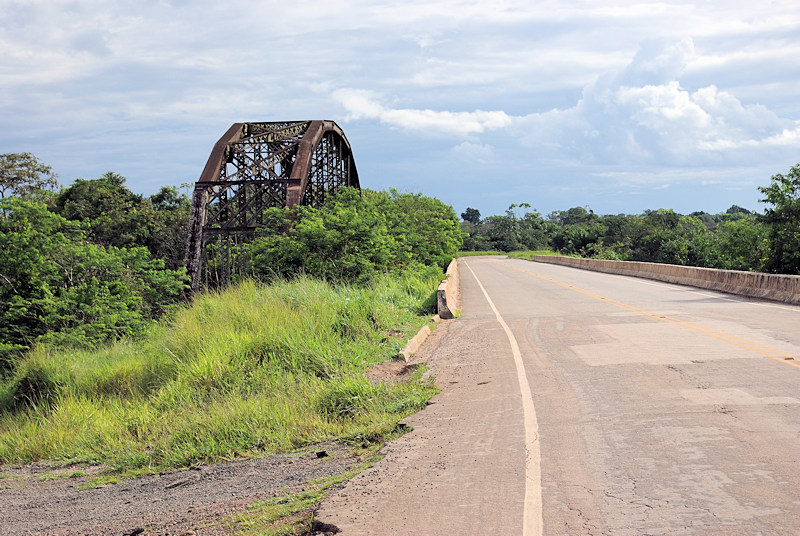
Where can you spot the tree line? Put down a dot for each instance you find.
(737, 239)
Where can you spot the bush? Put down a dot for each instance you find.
(57, 288)
(355, 237)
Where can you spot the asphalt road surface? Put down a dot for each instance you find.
(578, 403)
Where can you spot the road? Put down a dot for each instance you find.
(578, 403)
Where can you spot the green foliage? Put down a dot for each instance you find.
(737, 239)
(22, 174)
(57, 288)
(783, 221)
(424, 229)
(508, 233)
(115, 216)
(477, 253)
(471, 215)
(355, 237)
(253, 369)
(170, 226)
(741, 244)
(530, 254)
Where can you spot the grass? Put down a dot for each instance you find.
(475, 253)
(528, 255)
(289, 514)
(99, 481)
(50, 475)
(253, 370)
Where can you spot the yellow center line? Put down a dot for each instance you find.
(755, 347)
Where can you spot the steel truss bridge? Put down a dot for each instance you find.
(253, 167)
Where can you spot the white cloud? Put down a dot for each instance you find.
(538, 89)
(362, 104)
(643, 115)
(658, 61)
(475, 152)
(639, 115)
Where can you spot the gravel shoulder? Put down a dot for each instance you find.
(59, 500)
(41, 499)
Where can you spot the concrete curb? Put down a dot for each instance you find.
(414, 344)
(775, 287)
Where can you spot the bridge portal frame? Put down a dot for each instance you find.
(256, 166)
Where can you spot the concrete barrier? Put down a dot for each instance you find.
(776, 287)
(447, 300)
(447, 295)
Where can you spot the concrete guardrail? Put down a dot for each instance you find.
(447, 293)
(447, 297)
(776, 287)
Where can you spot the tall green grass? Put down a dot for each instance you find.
(253, 369)
(530, 254)
(476, 253)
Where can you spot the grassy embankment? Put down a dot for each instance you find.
(512, 254)
(528, 255)
(476, 253)
(249, 371)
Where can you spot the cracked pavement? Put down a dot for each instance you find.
(646, 426)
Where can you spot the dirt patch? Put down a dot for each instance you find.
(391, 371)
(38, 499)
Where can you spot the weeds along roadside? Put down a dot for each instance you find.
(511, 254)
(255, 369)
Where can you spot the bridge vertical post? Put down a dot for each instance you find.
(194, 244)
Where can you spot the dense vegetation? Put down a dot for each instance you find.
(356, 236)
(95, 337)
(737, 239)
(254, 368)
(86, 265)
(93, 262)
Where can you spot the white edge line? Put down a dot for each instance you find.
(533, 522)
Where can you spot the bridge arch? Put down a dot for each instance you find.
(256, 166)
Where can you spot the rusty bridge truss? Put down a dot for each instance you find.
(253, 167)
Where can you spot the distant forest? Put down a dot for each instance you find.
(737, 239)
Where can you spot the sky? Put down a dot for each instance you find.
(615, 106)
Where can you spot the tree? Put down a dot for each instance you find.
(56, 287)
(503, 231)
(170, 226)
(344, 240)
(472, 215)
(535, 232)
(22, 173)
(116, 216)
(783, 221)
(736, 209)
(740, 244)
(356, 236)
(573, 216)
(425, 227)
